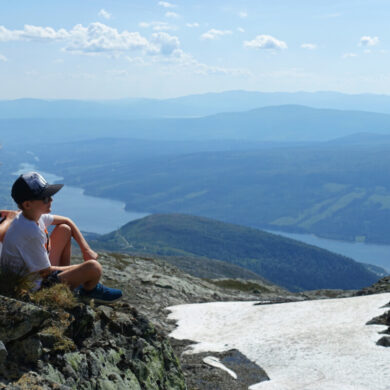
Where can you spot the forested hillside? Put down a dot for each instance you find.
(285, 262)
(337, 190)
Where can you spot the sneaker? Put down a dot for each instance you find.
(101, 294)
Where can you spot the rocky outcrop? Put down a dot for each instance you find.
(383, 319)
(381, 286)
(83, 347)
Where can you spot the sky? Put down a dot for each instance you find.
(100, 49)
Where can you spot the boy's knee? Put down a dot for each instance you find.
(94, 266)
(65, 229)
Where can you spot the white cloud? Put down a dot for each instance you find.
(179, 60)
(368, 41)
(3, 58)
(33, 33)
(192, 25)
(172, 15)
(266, 42)
(309, 46)
(243, 14)
(240, 29)
(165, 4)
(349, 55)
(104, 14)
(96, 38)
(214, 34)
(166, 44)
(157, 26)
(7, 35)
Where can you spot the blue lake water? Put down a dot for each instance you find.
(99, 215)
(365, 253)
(90, 213)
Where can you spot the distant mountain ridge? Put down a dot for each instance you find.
(287, 123)
(188, 106)
(282, 261)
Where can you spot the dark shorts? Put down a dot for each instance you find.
(51, 279)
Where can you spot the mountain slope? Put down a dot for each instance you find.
(286, 262)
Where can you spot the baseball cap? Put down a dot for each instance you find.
(32, 186)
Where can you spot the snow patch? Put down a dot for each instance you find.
(215, 362)
(311, 345)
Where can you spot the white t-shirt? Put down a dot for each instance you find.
(25, 243)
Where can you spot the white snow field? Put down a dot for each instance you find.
(311, 345)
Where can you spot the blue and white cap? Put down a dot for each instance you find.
(32, 186)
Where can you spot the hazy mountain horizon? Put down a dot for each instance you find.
(285, 123)
(195, 105)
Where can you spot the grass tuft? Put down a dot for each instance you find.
(57, 296)
(63, 343)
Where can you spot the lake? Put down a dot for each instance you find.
(366, 253)
(99, 215)
(90, 213)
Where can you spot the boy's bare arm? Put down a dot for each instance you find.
(47, 271)
(43, 273)
(9, 216)
(88, 253)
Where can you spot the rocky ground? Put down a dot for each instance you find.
(83, 347)
(152, 285)
(127, 346)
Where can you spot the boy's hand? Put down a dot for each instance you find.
(9, 214)
(89, 254)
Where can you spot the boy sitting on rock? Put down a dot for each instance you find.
(27, 242)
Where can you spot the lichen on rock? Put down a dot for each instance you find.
(83, 348)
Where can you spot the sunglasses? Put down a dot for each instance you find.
(46, 199)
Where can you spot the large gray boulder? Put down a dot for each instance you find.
(83, 348)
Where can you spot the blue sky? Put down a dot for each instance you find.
(95, 49)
